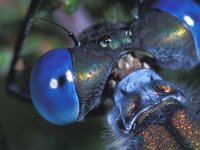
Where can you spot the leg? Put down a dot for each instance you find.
(11, 84)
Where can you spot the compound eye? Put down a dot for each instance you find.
(104, 41)
(52, 87)
(128, 32)
(126, 36)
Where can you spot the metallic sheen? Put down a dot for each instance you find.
(188, 127)
(166, 38)
(92, 67)
(157, 137)
(188, 12)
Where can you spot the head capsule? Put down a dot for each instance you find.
(170, 31)
(67, 83)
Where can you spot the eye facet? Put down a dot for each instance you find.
(53, 89)
(104, 41)
(129, 32)
(114, 44)
(183, 12)
(126, 36)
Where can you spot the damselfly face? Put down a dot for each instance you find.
(148, 112)
(76, 78)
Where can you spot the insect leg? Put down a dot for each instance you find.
(11, 84)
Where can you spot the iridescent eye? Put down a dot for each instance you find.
(126, 37)
(114, 44)
(53, 89)
(129, 32)
(104, 41)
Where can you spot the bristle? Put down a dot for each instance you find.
(119, 141)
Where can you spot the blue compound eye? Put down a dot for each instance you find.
(52, 87)
(188, 12)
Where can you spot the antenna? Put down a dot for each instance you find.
(70, 34)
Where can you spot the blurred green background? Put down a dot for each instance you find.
(21, 127)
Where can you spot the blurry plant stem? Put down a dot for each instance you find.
(11, 85)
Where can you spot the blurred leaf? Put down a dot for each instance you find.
(112, 14)
(5, 60)
(70, 6)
